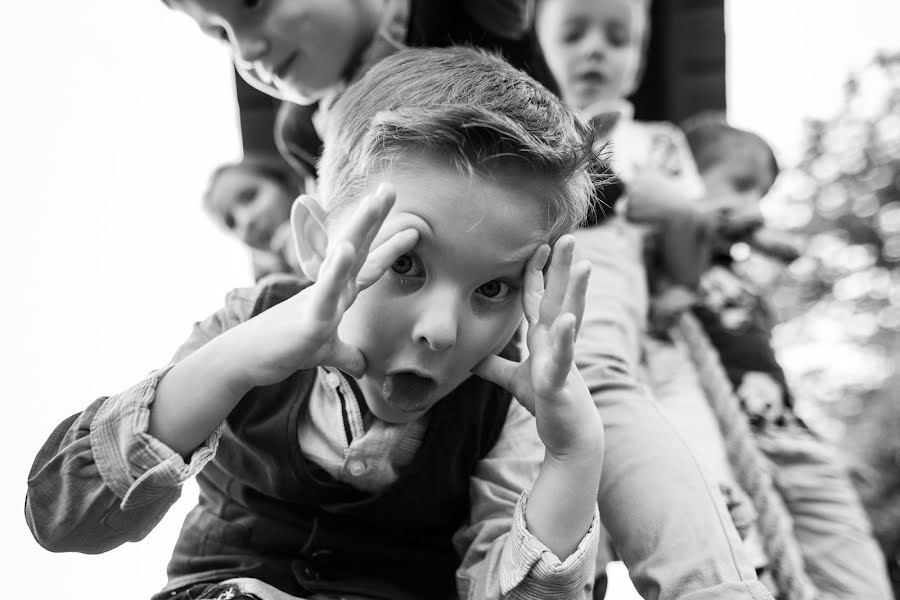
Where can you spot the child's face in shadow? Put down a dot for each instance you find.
(249, 206)
(741, 176)
(290, 49)
(593, 47)
(451, 301)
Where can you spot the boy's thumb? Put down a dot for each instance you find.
(348, 359)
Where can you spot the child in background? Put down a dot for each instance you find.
(738, 169)
(830, 524)
(340, 440)
(309, 51)
(251, 200)
(595, 50)
(306, 52)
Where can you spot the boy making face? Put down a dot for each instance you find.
(417, 283)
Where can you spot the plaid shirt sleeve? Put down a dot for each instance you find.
(101, 480)
(500, 557)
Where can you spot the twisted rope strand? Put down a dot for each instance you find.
(750, 466)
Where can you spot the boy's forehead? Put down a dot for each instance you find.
(490, 221)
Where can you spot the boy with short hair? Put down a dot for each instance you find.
(306, 52)
(642, 482)
(342, 444)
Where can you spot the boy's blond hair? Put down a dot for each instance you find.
(469, 109)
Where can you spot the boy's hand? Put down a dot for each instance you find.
(301, 332)
(547, 383)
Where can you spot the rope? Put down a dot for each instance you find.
(750, 466)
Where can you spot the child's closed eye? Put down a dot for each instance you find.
(247, 195)
(573, 32)
(617, 35)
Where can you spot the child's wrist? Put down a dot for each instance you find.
(587, 453)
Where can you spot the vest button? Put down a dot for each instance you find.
(333, 380)
(357, 468)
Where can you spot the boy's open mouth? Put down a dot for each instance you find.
(592, 77)
(408, 391)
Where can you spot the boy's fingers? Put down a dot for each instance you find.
(336, 270)
(534, 283)
(365, 222)
(497, 370)
(577, 292)
(382, 257)
(557, 279)
(348, 359)
(563, 348)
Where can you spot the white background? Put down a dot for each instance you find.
(112, 115)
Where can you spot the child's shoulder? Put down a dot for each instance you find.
(274, 289)
(241, 304)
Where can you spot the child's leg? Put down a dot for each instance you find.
(835, 537)
(669, 526)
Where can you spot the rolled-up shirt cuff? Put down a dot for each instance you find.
(137, 467)
(528, 557)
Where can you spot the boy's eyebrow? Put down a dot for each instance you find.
(515, 258)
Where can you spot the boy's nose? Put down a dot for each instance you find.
(437, 324)
(594, 43)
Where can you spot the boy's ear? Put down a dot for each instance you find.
(310, 236)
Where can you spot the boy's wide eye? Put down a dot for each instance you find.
(494, 290)
(406, 265)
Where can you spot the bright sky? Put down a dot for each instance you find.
(113, 114)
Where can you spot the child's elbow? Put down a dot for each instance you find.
(59, 531)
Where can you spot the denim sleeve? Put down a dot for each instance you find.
(500, 557)
(101, 480)
(665, 521)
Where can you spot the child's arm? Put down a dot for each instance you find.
(102, 478)
(685, 230)
(562, 502)
(648, 469)
(196, 395)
